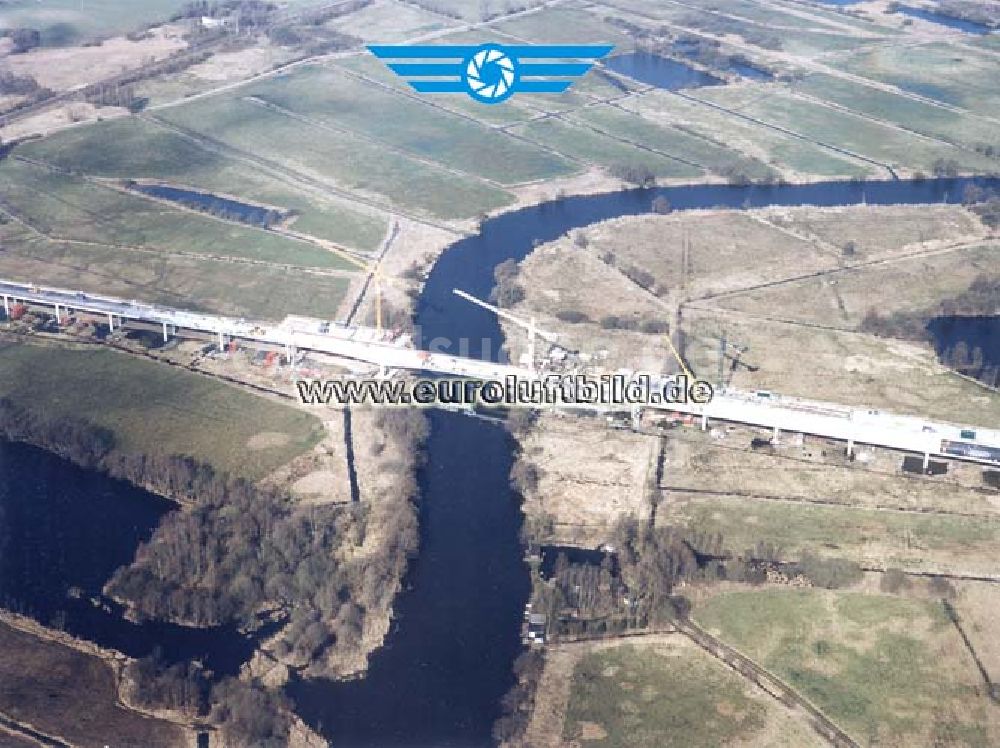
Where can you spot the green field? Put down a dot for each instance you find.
(347, 161)
(667, 140)
(139, 149)
(564, 26)
(68, 22)
(218, 286)
(939, 71)
(373, 69)
(66, 207)
(601, 150)
(891, 671)
(936, 121)
(908, 540)
(640, 698)
(327, 96)
(837, 128)
(775, 147)
(155, 409)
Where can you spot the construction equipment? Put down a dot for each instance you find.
(530, 325)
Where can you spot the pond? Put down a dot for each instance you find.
(63, 532)
(214, 204)
(661, 72)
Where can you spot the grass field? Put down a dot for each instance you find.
(891, 671)
(373, 69)
(637, 697)
(705, 153)
(601, 150)
(330, 97)
(253, 291)
(923, 117)
(66, 207)
(388, 21)
(939, 71)
(137, 148)
(841, 129)
(843, 300)
(815, 471)
(67, 22)
(766, 144)
(906, 540)
(348, 161)
(154, 409)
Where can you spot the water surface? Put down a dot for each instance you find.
(661, 72)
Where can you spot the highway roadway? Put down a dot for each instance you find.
(763, 409)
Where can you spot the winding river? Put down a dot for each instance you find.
(447, 660)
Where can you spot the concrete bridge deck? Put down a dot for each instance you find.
(767, 410)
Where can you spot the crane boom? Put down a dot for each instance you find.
(549, 336)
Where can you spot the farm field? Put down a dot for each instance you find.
(840, 366)
(68, 22)
(782, 151)
(388, 21)
(938, 71)
(601, 150)
(669, 693)
(136, 148)
(814, 472)
(910, 541)
(66, 207)
(219, 286)
(889, 670)
(913, 114)
(346, 161)
(408, 124)
(704, 153)
(850, 132)
(154, 409)
(843, 299)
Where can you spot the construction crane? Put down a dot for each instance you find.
(725, 344)
(530, 325)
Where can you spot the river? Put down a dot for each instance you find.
(447, 660)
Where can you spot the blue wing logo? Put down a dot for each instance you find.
(491, 73)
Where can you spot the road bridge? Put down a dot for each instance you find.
(767, 410)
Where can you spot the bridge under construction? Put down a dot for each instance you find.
(854, 426)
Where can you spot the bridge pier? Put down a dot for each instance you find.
(850, 447)
(776, 436)
(927, 460)
(58, 316)
(6, 306)
(222, 342)
(704, 421)
(111, 322)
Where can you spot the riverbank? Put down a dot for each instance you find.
(43, 667)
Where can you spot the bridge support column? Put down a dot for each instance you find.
(111, 322)
(58, 316)
(222, 343)
(166, 333)
(6, 306)
(704, 421)
(776, 436)
(927, 460)
(850, 447)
